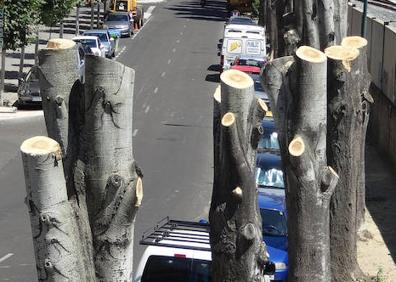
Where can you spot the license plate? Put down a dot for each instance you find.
(36, 99)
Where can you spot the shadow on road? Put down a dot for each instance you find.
(213, 77)
(213, 11)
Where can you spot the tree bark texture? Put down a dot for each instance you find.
(340, 20)
(347, 122)
(55, 237)
(238, 250)
(112, 177)
(62, 93)
(299, 87)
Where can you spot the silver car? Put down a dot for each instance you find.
(105, 38)
(120, 21)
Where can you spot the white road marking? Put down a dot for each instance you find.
(155, 90)
(169, 61)
(184, 26)
(119, 53)
(147, 109)
(163, 74)
(149, 11)
(178, 41)
(174, 50)
(181, 33)
(7, 256)
(135, 132)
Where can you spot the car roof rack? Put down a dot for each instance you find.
(178, 234)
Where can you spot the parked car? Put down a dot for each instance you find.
(274, 221)
(105, 38)
(269, 139)
(120, 21)
(29, 86)
(269, 170)
(91, 45)
(178, 251)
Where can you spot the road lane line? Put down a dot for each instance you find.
(184, 26)
(181, 33)
(119, 53)
(169, 61)
(163, 74)
(178, 41)
(147, 109)
(149, 11)
(155, 90)
(135, 132)
(174, 50)
(7, 256)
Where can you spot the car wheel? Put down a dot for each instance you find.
(113, 55)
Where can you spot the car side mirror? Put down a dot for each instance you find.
(269, 268)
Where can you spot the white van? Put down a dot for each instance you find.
(242, 40)
(178, 251)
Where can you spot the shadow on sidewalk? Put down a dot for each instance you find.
(381, 196)
(28, 56)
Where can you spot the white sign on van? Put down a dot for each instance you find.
(234, 46)
(253, 47)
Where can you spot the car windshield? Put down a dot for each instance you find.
(88, 42)
(268, 141)
(176, 269)
(102, 36)
(274, 222)
(270, 177)
(238, 20)
(249, 62)
(117, 18)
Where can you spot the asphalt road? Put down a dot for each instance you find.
(173, 56)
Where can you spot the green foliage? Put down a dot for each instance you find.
(53, 11)
(256, 7)
(19, 20)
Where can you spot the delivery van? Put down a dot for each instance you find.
(242, 40)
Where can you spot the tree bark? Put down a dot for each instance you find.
(347, 117)
(61, 25)
(310, 182)
(55, 237)
(112, 177)
(238, 250)
(62, 93)
(340, 20)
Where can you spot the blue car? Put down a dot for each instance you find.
(273, 212)
(269, 171)
(269, 139)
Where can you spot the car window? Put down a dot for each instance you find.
(175, 269)
(268, 141)
(88, 42)
(274, 222)
(117, 18)
(81, 53)
(269, 177)
(102, 36)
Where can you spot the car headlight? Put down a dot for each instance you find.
(280, 266)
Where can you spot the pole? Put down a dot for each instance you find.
(364, 19)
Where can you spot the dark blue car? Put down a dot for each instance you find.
(269, 171)
(273, 212)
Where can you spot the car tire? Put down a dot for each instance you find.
(113, 54)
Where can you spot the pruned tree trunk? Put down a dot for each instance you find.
(94, 129)
(310, 182)
(340, 20)
(55, 238)
(112, 177)
(61, 93)
(238, 250)
(347, 122)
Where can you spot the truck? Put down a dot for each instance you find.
(127, 6)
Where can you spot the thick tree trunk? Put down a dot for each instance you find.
(55, 238)
(340, 20)
(347, 116)
(310, 182)
(238, 251)
(112, 177)
(61, 93)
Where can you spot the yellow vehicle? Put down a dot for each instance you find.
(123, 5)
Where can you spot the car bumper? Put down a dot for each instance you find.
(29, 99)
(122, 31)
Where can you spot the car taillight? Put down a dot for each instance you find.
(180, 256)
